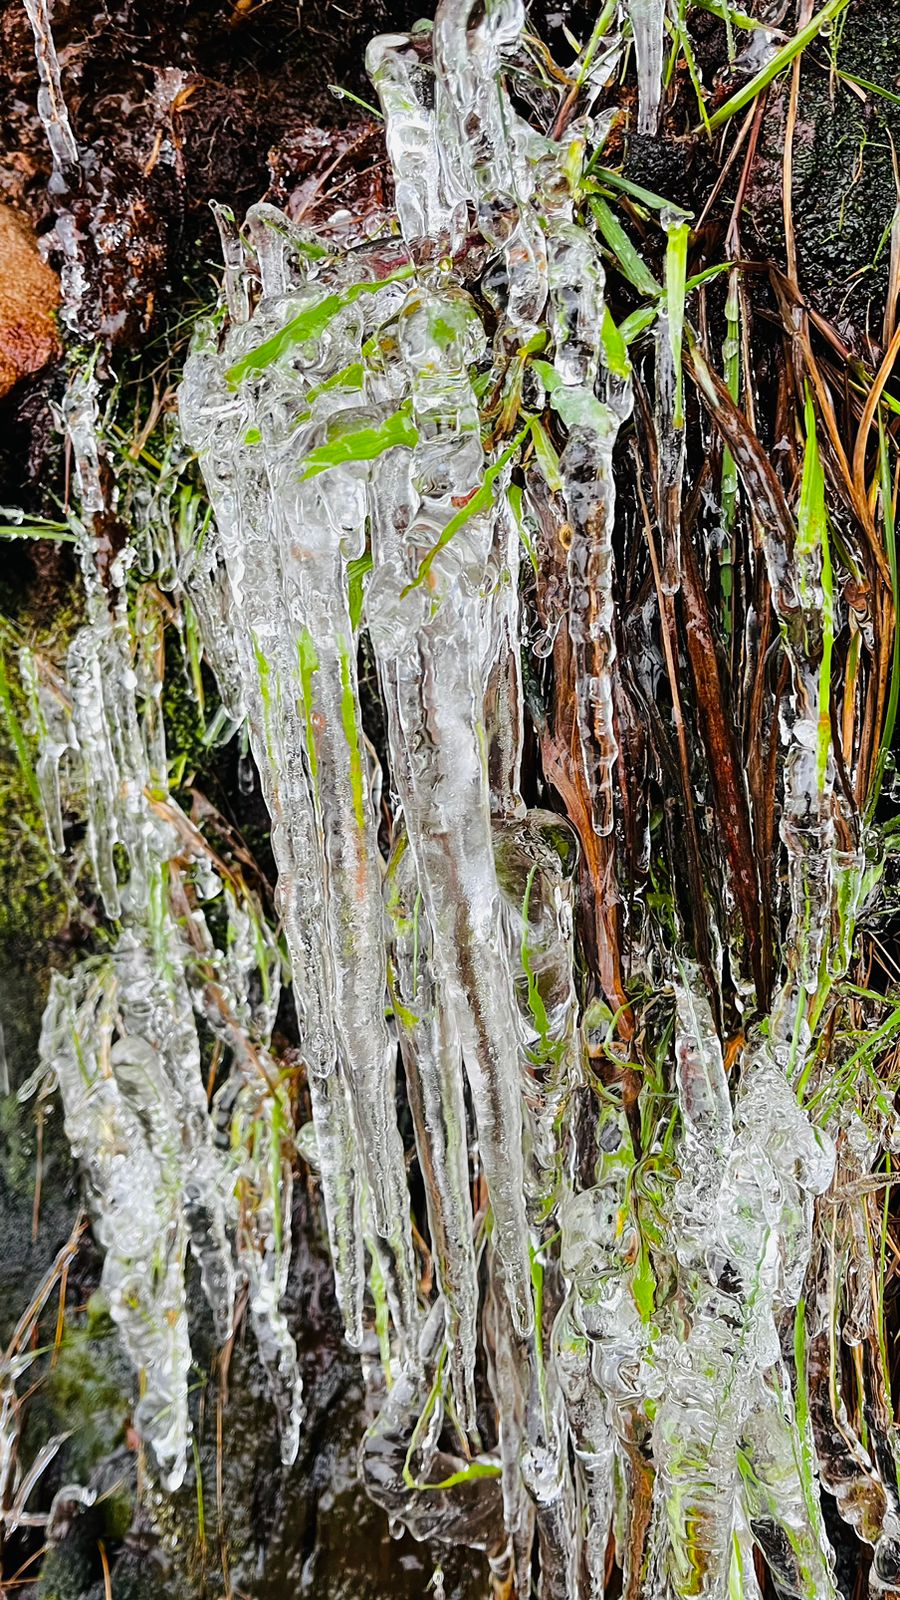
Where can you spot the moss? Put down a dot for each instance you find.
(66, 1572)
(91, 1387)
(33, 900)
(184, 723)
(34, 907)
(18, 1152)
(118, 1514)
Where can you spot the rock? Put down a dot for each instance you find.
(29, 296)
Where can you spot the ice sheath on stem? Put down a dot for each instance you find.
(432, 1060)
(286, 543)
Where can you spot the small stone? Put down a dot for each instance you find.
(29, 296)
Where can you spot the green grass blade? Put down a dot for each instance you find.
(481, 500)
(59, 531)
(727, 14)
(684, 39)
(546, 457)
(630, 262)
(812, 536)
(636, 191)
(679, 233)
(781, 59)
(362, 444)
(309, 323)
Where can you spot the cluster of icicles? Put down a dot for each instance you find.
(120, 1036)
(564, 1388)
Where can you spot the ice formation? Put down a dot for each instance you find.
(629, 1302)
(120, 1036)
(51, 104)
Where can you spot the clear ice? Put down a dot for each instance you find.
(624, 1339)
(120, 1036)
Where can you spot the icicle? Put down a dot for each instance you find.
(670, 439)
(440, 336)
(316, 522)
(548, 1478)
(207, 589)
(85, 679)
(268, 666)
(705, 1107)
(808, 833)
(435, 690)
(669, 404)
(236, 297)
(647, 18)
(156, 1013)
(287, 538)
(502, 668)
(577, 284)
(742, 1580)
(354, 915)
(152, 1071)
(336, 1152)
(80, 415)
(695, 1431)
(445, 1501)
(51, 102)
(845, 1467)
(743, 1205)
(122, 1129)
(430, 208)
(599, 1253)
(505, 1373)
(534, 861)
(260, 1119)
(433, 1062)
(781, 1497)
(435, 695)
(592, 1438)
(148, 649)
(578, 311)
(269, 234)
(50, 723)
(586, 465)
(448, 815)
(468, 50)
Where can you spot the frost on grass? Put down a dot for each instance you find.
(612, 1337)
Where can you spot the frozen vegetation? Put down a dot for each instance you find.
(616, 1336)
